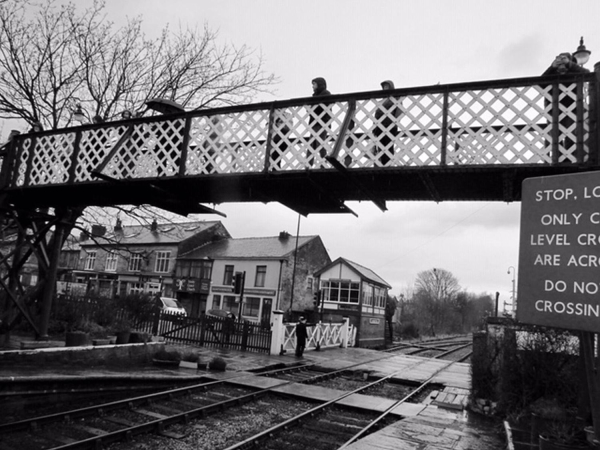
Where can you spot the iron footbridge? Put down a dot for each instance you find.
(454, 142)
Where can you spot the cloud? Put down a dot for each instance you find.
(524, 57)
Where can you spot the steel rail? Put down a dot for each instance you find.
(158, 424)
(394, 406)
(257, 438)
(115, 405)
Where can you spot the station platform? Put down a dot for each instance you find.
(440, 423)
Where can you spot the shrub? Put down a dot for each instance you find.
(167, 355)
(408, 331)
(191, 357)
(521, 364)
(217, 364)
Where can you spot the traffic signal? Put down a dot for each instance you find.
(238, 282)
(317, 298)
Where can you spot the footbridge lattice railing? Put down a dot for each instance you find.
(520, 121)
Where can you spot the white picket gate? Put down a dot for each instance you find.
(320, 335)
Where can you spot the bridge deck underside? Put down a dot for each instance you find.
(323, 191)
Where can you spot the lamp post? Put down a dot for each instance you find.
(582, 54)
(513, 298)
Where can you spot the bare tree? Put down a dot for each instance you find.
(435, 291)
(54, 57)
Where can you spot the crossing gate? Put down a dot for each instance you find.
(320, 335)
(215, 332)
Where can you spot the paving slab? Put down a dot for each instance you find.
(408, 409)
(257, 382)
(369, 402)
(308, 391)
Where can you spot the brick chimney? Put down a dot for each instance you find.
(154, 226)
(284, 235)
(98, 230)
(119, 225)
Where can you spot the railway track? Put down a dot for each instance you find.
(457, 348)
(329, 425)
(170, 413)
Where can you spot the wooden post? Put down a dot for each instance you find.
(593, 378)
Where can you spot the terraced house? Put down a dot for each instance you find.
(139, 258)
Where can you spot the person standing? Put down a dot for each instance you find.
(229, 327)
(281, 129)
(301, 335)
(386, 128)
(319, 121)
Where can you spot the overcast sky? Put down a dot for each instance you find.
(354, 45)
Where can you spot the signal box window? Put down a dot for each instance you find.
(341, 291)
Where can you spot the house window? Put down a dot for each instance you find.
(216, 303)
(194, 269)
(135, 262)
(251, 307)
(153, 288)
(309, 283)
(90, 260)
(261, 275)
(229, 304)
(111, 262)
(135, 288)
(340, 291)
(228, 276)
(162, 262)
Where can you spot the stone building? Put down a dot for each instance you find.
(274, 268)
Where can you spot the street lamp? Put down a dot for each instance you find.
(79, 115)
(582, 54)
(513, 298)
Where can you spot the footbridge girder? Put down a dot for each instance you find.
(468, 141)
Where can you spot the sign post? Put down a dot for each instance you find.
(559, 262)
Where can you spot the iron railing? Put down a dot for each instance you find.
(515, 122)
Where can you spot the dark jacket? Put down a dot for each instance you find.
(301, 333)
(388, 112)
(229, 325)
(571, 68)
(321, 91)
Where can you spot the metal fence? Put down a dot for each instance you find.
(209, 331)
(204, 331)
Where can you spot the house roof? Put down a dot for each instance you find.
(249, 248)
(363, 271)
(166, 233)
